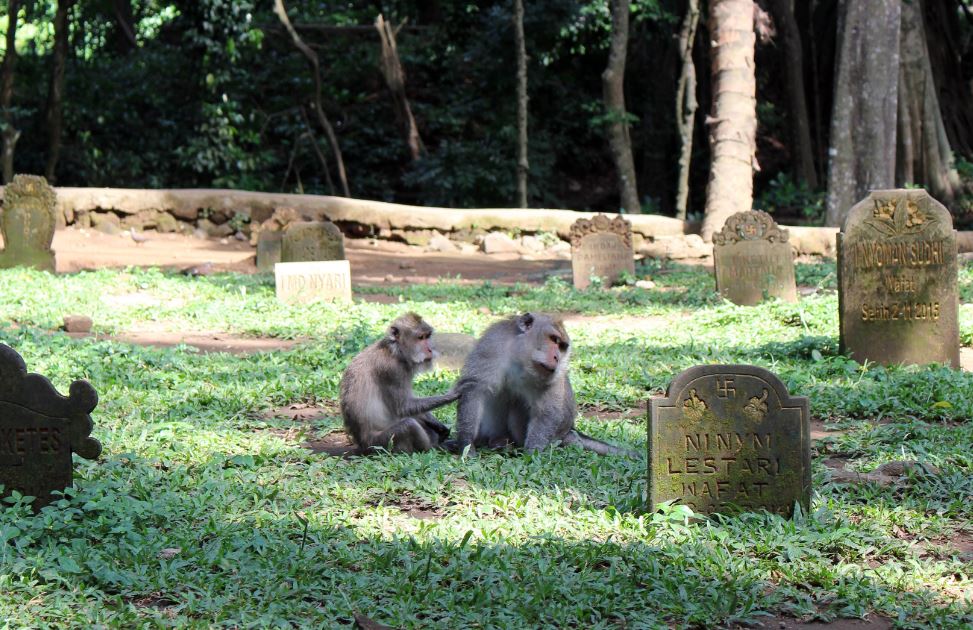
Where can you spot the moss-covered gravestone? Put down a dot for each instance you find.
(28, 223)
(601, 247)
(729, 438)
(307, 241)
(897, 280)
(39, 429)
(269, 243)
(753, 260)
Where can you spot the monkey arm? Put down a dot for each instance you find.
(415, 406)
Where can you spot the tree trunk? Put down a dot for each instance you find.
(523, 166)
(312, 59)
(863, 120)
(613, 83)
(123, 35)
(55, 93)
(783, 11)
(931, 155)
(395, 78)
(10, 134)
(733, 124)
(686, 105)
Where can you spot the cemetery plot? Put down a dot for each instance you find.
(897, 271)
(27, 223)
(39, 429)
(753, 260)
(601, 247)
(728, 438)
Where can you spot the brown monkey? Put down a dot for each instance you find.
(377, 403)
(515, 388)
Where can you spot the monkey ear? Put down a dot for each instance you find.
(525, 321)
(394, 333)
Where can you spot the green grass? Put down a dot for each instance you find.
(271, 535)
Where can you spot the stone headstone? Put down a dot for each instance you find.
(602, 247)
(729, 438)
(28, 223)
(39, 429)
(268, 249)
(753, 260)
(897, 280)
(307, 241)
(302, 282)
(452, 349)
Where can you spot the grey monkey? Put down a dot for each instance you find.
(378, 405)
(515, 388)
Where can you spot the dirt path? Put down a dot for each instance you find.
(382, 263)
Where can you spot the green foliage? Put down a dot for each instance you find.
(205, 511)
(783, 194)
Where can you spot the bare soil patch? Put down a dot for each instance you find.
(203, 341)
(381, 263)
(874, 622)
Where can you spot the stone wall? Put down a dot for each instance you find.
(214, 211)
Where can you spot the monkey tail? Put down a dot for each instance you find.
(578, 438)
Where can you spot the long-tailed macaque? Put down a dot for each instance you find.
(515, 388)
(378, 405)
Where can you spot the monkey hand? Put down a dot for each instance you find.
(436, 426)
(463, 386)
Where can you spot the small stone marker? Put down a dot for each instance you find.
(729, 438)
(306, 241)
(452, 349)
(601, 247)
(28, 223)
(39, 429)
(897, 280)
(302, 282)
(268, 249)
(753, 260)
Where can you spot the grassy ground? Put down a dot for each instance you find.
(205, 512)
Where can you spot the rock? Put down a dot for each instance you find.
(221, 216)
(108, 228)
(420, 238)
(240, 236)
(77, 324)
(389, 278)
(559, 247)
(532, 244)
(439, 243)
(142, 219)
(453, 348)
(499, 243)
(101, 218)
(645, 284)
(165, 222)
(183, 212)
(200, 233)
(676, 247)
(468, 248)
(83, 219)
(213, 230)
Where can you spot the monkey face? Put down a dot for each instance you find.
(548, 342)
(409, 338)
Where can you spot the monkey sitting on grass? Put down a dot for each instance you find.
(378, 405)
(515, 388)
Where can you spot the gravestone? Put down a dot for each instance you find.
(302, 282)
(268, 249)
(28, 223)
(729, 438)
(601, 247)
(753, 260)
(39, 429)
(897, 280)
(307, 241)
(451, 349)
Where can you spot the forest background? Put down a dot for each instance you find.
(214, 93)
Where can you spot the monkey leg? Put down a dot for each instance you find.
(407, 436)
(434, 427)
